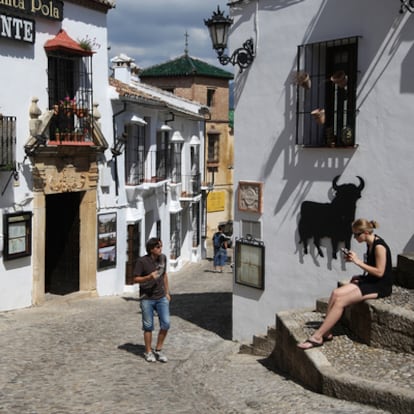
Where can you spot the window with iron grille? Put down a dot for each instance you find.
(195, 221)
(70, 96)
(175, 235)
(326, 93)
(162, 155)
(135, 152)
(210, 97)
(175, 157)
(7, 143)
(213, 150)
(158, 229)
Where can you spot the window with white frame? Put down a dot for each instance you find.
(326, 81)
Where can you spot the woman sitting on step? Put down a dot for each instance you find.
(375, 282)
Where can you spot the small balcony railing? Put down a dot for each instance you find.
(190, 185)
(153, 169)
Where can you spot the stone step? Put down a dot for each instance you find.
(345, 368)
(262, 345)
(370, 360)
(404, 274)
(382, 323)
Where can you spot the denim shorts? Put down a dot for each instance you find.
(162, 307)
(220, 257)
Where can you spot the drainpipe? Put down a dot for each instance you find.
(114, 157)
(170, 120)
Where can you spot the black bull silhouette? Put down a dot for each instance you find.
(332, 219)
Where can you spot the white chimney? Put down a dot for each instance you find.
(124, 68)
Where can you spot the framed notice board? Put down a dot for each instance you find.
(250, 262)
(17, 235)
(106, 240)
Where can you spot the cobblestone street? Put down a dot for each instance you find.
(85, 356)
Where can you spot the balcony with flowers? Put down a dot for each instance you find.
(68, 126)
(71, 123)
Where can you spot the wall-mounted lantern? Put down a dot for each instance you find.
(119, 145)
(407, 5)
(218, 26)
(177, 138)
(137, 120)
(195, 140)
(165, 128)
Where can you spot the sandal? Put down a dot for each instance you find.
(309, 344)
(328, 338)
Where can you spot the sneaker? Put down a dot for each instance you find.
(149, 356)
(160, 356)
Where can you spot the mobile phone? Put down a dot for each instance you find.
(345, 251)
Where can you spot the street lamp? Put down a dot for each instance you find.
(218, 26)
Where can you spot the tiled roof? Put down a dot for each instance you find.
(151, 95)
(126, 90)
(185, 65)
(64, 42)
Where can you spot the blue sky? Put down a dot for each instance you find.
(153, 31)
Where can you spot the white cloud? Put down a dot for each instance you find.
(153, 31)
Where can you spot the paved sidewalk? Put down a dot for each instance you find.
(84, 356)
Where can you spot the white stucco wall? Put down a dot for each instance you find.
(265, 150)
(23, 74)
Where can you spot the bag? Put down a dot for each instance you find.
(216, 240)
(226, 242)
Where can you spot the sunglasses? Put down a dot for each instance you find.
(357, 234)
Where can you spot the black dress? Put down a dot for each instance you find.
(372, 284)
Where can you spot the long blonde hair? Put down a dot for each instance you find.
(362, 224)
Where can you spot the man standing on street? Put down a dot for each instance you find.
(150, 273)
(220, 249)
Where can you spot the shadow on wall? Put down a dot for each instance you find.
(332, 220)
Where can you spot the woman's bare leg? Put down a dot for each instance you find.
(341, 298)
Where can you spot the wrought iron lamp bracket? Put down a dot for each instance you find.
(243, 56)
(407, 5)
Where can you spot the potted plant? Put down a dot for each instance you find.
(66, 135)
(319, 115)
(82, 112)
(57, 134)
(303, 79)
(340, 79)
(88, 44)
